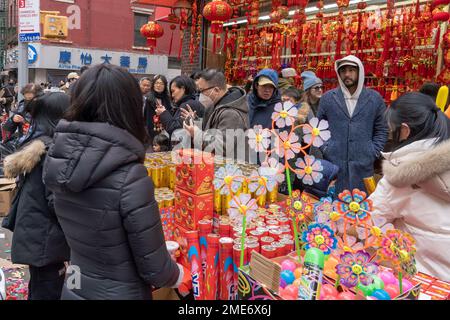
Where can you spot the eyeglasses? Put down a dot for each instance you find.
(202, 91)
(159, 83)
(318, 88)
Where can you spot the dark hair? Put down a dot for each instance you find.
(430, 89)
(420, 113)
(292, 93)
(108, 93)
(163, 79)
(46, 110)
(184, 82)
(145, 79)
(83, 69)
(162, 141)
(31, 88)
(214, 78)
(195, 75)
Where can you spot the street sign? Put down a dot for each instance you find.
(29, 27)
(32, 54)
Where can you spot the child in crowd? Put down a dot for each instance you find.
(291, 94)
(161, 143)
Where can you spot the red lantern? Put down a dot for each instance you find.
(342, 3)
(152, 31)
(362, 5)
(217, 12)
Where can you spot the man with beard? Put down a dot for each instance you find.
(358, 128)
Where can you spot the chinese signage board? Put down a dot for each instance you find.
(29, 27)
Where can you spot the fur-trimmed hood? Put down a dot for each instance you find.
(24, 160)
(421, 165)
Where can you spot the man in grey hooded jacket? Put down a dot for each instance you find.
(358, 128)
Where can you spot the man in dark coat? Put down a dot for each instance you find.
(226, 109)
(358, 128)
(263, 98)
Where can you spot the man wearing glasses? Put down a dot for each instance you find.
(356, 120)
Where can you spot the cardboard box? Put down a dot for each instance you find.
(190, 208)
(7, 193)
(197, 176)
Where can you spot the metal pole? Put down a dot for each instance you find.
(22, 66)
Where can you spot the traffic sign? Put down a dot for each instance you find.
(29, 24)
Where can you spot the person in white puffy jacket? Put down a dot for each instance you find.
(414, 193)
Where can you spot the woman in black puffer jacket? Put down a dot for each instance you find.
(104, 199)
(38, 240)
(183, 94)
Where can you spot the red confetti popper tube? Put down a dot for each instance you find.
(212, 266)
(205, 228)
(195, 262)
(227, 285)
(224, 229)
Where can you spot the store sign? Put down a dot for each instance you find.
(29, 27)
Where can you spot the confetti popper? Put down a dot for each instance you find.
(205, 228)
(227, 269)
(195, 261)
(212, 266)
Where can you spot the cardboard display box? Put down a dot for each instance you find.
(190, 208)
(7, 192)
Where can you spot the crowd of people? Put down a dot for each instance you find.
(85, 197)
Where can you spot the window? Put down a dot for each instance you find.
(139, 21)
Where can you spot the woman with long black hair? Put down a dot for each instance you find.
(183, 92)
(104, 199)
(158, 96)
(414, 193)
(38, 240)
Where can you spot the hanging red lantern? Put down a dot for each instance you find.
(342, 3)
(217, 12)
(152, 31)
(362, 5)
(438, 10)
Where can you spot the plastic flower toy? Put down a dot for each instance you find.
(241, 206)
(228, 177)
(373, 234)
(316, 132)
(272, 167)
(259, 138)
(260, 182)
(319, 236)
(285, 114)
(398, 248)
(355, 268)
(354, 206)
(310, 170)
(287, 145)
(299, 208)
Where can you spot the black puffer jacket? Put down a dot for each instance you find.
(105, 203)
(37, 239)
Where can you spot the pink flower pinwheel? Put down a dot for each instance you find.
(287, 145)
(309, 170)
(273, 168)
(285, 114)
(316, 132)
(259, 138)
(241, 206)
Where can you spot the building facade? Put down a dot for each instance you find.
(99, 31)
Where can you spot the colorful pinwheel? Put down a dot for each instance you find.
(316, 132)
(355, 268)
(285, 114)
(310, 170)
(354, 206)
(319, 236)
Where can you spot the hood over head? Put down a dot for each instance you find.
(351, 60)
(420, 164)
(86, 152)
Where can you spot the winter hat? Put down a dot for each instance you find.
(288, 73)
(264, 80)
(320, 189)
(309, 80)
